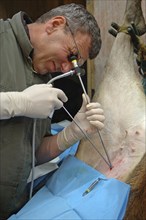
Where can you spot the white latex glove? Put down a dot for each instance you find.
(37, 101)
(90, 118)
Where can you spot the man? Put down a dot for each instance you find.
(29, 52)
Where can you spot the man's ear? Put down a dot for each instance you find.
(55, 23)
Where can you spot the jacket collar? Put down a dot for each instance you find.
(19, 25)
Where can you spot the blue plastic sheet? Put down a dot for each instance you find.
(62, 196)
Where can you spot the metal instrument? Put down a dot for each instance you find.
(78, 71)
(92, 186)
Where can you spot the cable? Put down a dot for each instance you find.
(33, 158)
(70, 73)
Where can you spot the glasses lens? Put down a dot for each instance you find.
(80, 61)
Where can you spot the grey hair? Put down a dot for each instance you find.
(78, 19)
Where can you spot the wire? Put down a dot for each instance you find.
(33, 158)
(70, 73)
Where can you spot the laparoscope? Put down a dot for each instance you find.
(79, 72)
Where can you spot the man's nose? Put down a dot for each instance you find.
(66, 66)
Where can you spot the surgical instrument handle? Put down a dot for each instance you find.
(92, 186)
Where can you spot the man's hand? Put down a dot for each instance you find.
(37, 101)
(90, 118)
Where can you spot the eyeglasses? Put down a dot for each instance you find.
(80, 60)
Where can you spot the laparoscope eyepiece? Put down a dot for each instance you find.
(78, 70)
(72, 57)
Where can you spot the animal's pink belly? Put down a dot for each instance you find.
(125, 160)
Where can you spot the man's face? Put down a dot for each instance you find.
(52, 52)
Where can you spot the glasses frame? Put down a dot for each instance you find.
(80, 59)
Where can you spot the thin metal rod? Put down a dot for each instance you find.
(83, 87)
(111, 166)
(84, 90)
(88, 138)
